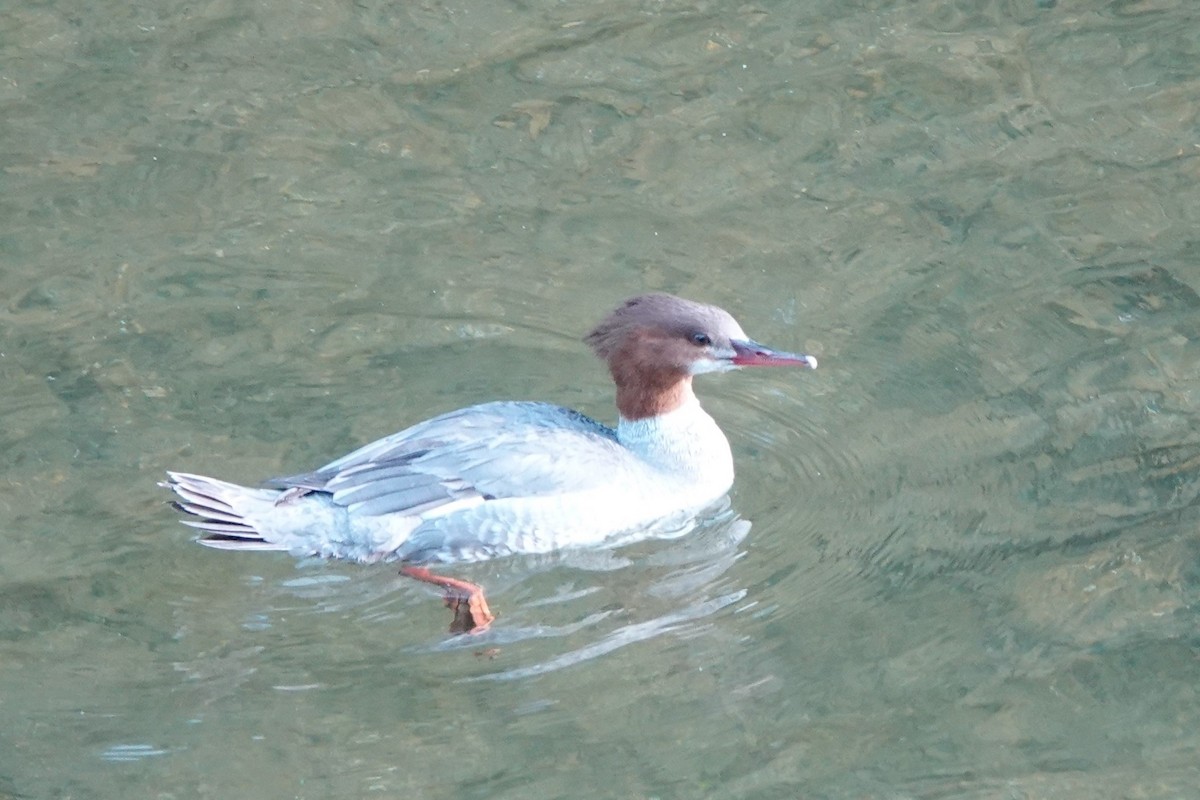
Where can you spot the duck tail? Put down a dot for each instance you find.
(221, 510)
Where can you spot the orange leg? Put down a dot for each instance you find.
(471, 612)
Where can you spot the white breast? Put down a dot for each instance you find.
(686, 445)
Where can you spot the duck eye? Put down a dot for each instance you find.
(701, 338)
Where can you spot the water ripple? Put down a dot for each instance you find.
(127, 753)
(622, 637)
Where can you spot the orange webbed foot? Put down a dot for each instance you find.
(465, 599)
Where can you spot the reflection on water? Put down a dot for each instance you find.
(248, 240)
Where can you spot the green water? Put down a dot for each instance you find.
(961, 558)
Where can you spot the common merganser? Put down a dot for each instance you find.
(513, 477)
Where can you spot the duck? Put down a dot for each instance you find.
(512, 477)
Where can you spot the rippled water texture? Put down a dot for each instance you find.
(961, 559)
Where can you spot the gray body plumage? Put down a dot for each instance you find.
(480, 482)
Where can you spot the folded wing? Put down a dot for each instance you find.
(483, 452)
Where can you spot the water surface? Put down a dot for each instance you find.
(960, 560)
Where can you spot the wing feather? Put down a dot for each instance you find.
(489, 451)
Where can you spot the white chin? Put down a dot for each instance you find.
(711, 365)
